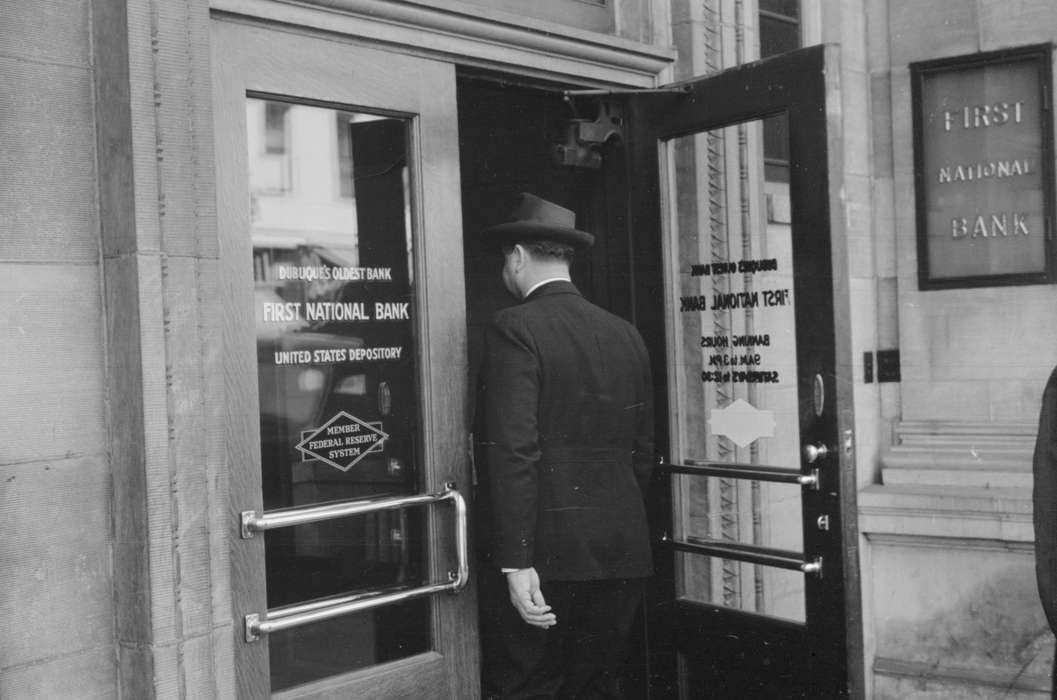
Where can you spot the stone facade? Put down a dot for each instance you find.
(948, 576)
(114, 570)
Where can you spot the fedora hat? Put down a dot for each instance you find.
(536, 219)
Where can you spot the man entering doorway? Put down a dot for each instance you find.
(568, 420)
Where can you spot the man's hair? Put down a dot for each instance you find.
(545, 250)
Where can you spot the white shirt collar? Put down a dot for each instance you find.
(543, 282)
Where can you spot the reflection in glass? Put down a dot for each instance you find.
(731, 263)
(334, 308)
(779, 32)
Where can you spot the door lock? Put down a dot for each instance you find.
(823, 523)
(813, 453)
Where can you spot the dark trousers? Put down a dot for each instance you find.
(578, 658)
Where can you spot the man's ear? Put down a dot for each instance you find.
(520, 256)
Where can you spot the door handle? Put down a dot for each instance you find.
(815, 452)
(298, 614)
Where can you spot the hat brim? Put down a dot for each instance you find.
(527, 231)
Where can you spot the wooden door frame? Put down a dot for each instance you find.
(249, 58)
(805, 84)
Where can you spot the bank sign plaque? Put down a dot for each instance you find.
(983, 152)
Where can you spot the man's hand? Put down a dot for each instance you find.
(527, 598)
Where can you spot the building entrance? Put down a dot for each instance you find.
(731, 268)
(345, 175)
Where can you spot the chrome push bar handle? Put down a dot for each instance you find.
(754, 472)
(738, 551)
(288, 517)
(752, 554)
(288, 616)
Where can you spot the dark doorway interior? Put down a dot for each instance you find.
(507, 134)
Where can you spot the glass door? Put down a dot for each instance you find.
(757, 524)
(338, 181)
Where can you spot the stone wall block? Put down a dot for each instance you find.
(926, 30)
(113, 128)
(46, 31)
(135, 670)
(51, 364)
(1018, 399)
(877, 39)
(858, 225)
(918, 688)
(48, 199)
(87, 675)
(207, 242)
(855, 103)
(932, 400)
(224, 659)
(959, 349)
(881, 124)
(213, 438)
(884, 232)
(175, 139)
(188, 474)
(853, 30)
(1010, 23)
(138, 433)
(868, 436)
(144, 99)
(168, 679)
(887, 311)
(198, 672)
(913, 341)
(160, 494)
(960, 610)
(132, 582)
(55, 579)
(903, 180)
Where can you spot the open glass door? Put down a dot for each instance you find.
(758, 595)
(345, 348)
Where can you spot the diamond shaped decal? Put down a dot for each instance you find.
(342, 441)
(742, 422)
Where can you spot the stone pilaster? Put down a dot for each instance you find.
(159, 246)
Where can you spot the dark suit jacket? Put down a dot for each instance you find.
(1045, 501)
(568, 418)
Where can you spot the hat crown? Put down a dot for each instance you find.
(532, 208)
(535, 219)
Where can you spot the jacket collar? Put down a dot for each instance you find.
(555, 287)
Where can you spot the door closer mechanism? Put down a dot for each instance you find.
(584, 138)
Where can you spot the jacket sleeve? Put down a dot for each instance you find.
(511, 391)
(1044, 467)
(642, 448)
